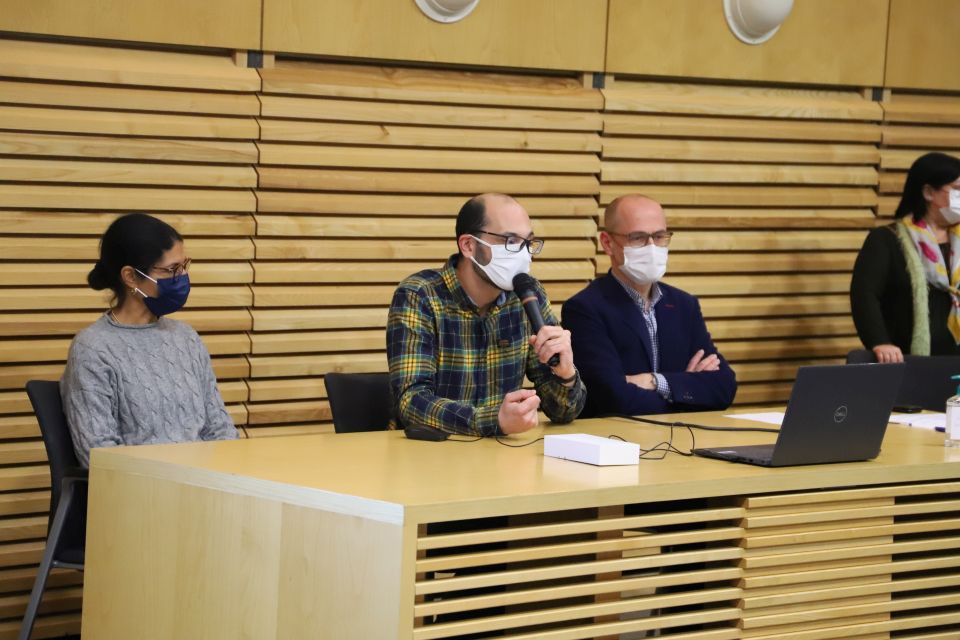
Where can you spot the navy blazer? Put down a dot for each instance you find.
(611, 341)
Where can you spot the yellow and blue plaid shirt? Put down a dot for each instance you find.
(450, 367)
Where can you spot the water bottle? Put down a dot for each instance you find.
(953, 419)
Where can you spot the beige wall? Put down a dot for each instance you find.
(923, 47)
(825, 42)
(547, 34)
(821, 42)
(233, 24)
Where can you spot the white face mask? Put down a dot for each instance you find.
(951, 213)
(504, 265)
(645, 265)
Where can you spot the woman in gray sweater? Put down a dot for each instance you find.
(135, 376)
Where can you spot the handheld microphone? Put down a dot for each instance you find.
(526, 289)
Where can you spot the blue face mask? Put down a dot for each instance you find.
(172, 294)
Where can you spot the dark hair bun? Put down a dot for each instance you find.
(97, 279)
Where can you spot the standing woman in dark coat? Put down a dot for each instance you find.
(904, 294)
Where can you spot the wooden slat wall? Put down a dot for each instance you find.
(913, 125)
(85, 136)
(362, 171)
(770, 193)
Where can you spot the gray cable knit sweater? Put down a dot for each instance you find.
(140, 384)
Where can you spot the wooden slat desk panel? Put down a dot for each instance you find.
(376, 536)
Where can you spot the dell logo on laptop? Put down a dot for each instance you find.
(840, 414)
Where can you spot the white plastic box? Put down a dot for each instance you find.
(583, 447)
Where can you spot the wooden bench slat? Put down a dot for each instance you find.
(399, 135)
(744, 195)
(74, 299)
(319, 341)
(117, 148)
(429, 182)
(425, 249)
(776, 306)
(75, 273)
(427, 114)
(99, 97)
(921, 137)
(738, 151)
(637, 124)
(765, 284)
(393, 272)
(287, 389)
(125, 198)
(407, 205)
(428, 85)
(318, 318)
(922, 109)
(783, 262)
(426, 159)
(314, 365)
(118, 123)
(94, 224)
(33, 323)
(394, 227)
(78, 171)
(697, 173)
(742, 218)
(71, 248)
(780, 240)
(667, 98)
(270, 413)
(816, 347)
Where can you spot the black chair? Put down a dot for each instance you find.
(926, 381)
(861, 356)
(66, 528)
(359, 401)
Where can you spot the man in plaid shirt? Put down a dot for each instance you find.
(458, 341)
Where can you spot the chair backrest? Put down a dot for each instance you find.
(861, 356)
(359, 401)
(45, 397)
(927, 383)
(926, 379)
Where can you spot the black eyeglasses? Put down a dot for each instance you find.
(175, 270)
(641, 238)
(516, 244)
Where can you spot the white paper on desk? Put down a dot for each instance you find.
(770, 417)
(920, 420)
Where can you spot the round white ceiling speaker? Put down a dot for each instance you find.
(447, 10)
(755, 21)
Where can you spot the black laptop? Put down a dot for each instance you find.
(836, 413)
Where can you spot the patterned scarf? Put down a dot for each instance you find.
(935, 268)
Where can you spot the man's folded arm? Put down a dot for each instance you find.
(599, 364)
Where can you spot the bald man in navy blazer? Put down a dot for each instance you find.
(642, 346)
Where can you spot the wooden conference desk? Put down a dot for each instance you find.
(324, 537)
